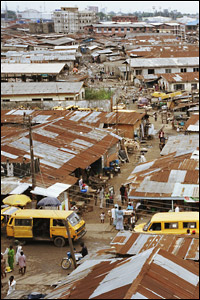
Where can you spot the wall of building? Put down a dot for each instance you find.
(170, 87)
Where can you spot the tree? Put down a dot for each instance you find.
(11, 14)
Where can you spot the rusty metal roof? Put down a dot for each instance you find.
(154, 274)
(62, 146)
(186, 247)
(93, 118)
(165, 177)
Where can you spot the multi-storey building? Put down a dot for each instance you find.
(70, 20)
(125, 19)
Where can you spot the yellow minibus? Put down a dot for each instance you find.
(42, 224)
(171, 223)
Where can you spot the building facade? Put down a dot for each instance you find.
(124, 19)
(70, 20)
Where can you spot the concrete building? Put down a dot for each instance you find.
(41, 91)
(180, 81)
(155, 66)
(120, 29)
(70, 20)
(46, 27)
(124, 19)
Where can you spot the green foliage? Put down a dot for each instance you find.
(12, 14)
(101, 94)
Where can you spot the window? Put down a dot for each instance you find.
(189, 225)
(122, 29)
(171, 225)
(6, 100)
(138, 72)
(150, 71)
(36, 99)
(179, 87)
(168, 71)
(23, 222)
(109, 29)
(47, 99)
(105, 30)
(155, 227)
(128, 29)
(98, 29)
(57, 222)
(183, 70)
(74, 219)
(195, 69)
(194, 86)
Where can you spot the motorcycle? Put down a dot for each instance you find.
(67, 262)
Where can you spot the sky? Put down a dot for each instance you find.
(191, 7)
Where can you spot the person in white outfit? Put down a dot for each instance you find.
(101, 196)
(18, 254)
(11, 285)
(177, 209)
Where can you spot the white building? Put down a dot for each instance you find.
(156, 66)
(70, 20)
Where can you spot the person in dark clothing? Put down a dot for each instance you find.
(123, 193)
(84, 250)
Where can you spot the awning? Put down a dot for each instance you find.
(54, 190)
(13, 187)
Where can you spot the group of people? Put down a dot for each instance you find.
(20, 259)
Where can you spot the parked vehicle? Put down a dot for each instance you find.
(171, 223)
(39, 224)
(67, 261)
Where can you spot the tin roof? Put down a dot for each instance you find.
(154, 272)
(159, 62)
(33, 88)
(193, 121)
(44, 68)
(62, 147)
(181, 77)
(181, 143)
(183, 246)
(174, 175)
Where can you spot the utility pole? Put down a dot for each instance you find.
(70, 243)
(32, 156)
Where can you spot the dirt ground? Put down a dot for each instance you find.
(43, 258)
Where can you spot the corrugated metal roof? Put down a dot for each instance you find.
(61, 145)
(184, 246)
(169, 176)
(163, 62)
(32, 68)
(154, 271)
(32, 88)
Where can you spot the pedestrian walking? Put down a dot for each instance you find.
(102, 216)
(11, 285)
(101, 196)
(155, 116)
(120, 219)
(107, 198)
(11, 254)
(122, 193)
(19, 249)
(177, 209)
(22, 263)
(3, 267)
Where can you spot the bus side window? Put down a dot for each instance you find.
(58, 222)
(189, 225)
(155, 227)
(171, 225)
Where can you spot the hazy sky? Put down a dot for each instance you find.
(116, 6)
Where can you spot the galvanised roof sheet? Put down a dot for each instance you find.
(153, 273)
(184, 246)
(163, 62)
(32, 68)
(33, 88)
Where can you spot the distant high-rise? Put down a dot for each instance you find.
(93, 8)
(70, 20)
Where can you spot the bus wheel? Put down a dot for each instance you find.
(59, 241)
